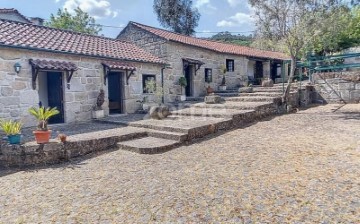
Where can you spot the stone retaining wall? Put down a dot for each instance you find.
(335, 87)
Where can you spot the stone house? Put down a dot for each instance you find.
(200, 60)
(54, 67)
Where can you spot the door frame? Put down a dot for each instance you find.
(121, 75)
(62, 93)
(190, 80)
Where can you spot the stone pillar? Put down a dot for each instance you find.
(266, 69)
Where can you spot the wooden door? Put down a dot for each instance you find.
(115, 88)
(258, 72)
(189, 77)
(55, 95)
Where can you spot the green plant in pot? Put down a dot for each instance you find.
(42, 115)
(13, 130)
(183, 84)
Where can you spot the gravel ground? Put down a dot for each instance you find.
(297, 168)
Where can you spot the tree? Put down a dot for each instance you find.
(79, 22)
(242, 40)
(177, 15)
(292, 25)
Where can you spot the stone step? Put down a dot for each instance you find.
(149, 145)
(251, 99)
(269, 94)
(261, 89)
(228, 94)
(235, 105)
(210, 112)
(226, 91)
(194, 127)
(176, 136)
(191, 98)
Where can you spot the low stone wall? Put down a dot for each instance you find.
(335, 87)
(55, 152)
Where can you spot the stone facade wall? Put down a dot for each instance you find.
(173, 53)
(334, 87)
(17, 95)
(212, 60)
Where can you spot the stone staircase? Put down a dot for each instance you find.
(189, 121)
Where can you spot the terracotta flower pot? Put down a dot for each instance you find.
(42, 136)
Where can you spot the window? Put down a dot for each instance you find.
(230, 65)
(208, 75)
(149, 83)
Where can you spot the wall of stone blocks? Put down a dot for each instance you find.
(17, 95)
(335, 87)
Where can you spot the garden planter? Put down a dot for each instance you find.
(96, 114)
(182, 98)
(14, 139)
(42, 136)
(209, 90)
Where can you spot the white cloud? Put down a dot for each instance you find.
(237, 20)
(56, 1)
(204, 3)
(234, 3)
(96, 8)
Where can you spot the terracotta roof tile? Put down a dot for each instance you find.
(24, 35)
(119, 65)
(53, 65)
(212, 45)
(2, 10)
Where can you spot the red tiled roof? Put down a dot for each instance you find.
(119, 65)
(53, 65)
(212, 45)
(23, 35)
(16, 12)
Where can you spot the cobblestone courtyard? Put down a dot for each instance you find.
(296, 168)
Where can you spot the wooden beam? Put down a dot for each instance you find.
(34, 74)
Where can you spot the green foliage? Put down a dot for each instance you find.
(223, 69)
(11, 127)
(177, 15)
(182, 81)
(227, 37)
(80, 22)
(150, 86)
(43, 114)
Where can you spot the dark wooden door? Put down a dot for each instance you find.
(259, 72)
(115, 87)
(188, 76)
(55, 95)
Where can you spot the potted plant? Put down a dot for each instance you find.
(13, 131)
(42, 114)
(158, 111)
(222, 86)
(143, 104)
(183, 84)
(98, 112)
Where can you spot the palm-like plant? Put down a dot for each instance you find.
(11, 127)
(43, 114)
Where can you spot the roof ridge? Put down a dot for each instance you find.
(213, 41)
(7, 10)
(58, 29)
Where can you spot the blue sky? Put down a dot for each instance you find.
(216, 15)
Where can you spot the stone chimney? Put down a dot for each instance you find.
(37, 21)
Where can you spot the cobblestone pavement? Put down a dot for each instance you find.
(297, 168)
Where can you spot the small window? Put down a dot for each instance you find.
(208, 75)
(149, 83)
(230, 65)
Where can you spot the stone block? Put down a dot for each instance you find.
(18, 85)
(6, 91)
(267, 83)
(8, 101)
(29, 97)
(355, 96)
(213, 99)
(80, 96)
(159, 112)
